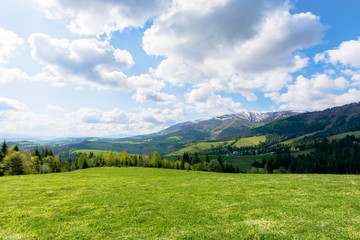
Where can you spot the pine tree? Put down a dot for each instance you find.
(82, 161)
(36, 152)
(3, 151)
(16, 148)
(220, 161)
(196, 158)
(207, 159)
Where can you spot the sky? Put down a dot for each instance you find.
(111, 68)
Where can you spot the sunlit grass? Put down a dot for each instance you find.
(144, 203)
(250, 141)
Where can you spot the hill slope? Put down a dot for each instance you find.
(224, 126)
(324, 123)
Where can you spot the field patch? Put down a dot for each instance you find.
(250, 141)
(149, 203)
(95, 152)
(200, 146)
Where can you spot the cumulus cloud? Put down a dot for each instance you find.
(11, 104)
(9, 42)
(206, 101)
(143, 95)
(83, 61)
(316, 93)
(95, 63)
(8, 75)
(241, 46)
(54, 108)
(348, 53)
(164, 117)
(21, 121)
(95, 17)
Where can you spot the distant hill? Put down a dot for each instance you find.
(223, 126)
(229, 130)
(324, 123)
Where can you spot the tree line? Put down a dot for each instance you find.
(154, 160)
(329, 157)
(15, 162)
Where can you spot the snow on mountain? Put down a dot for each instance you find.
(258, 117)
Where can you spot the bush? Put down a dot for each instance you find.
(198, 167)
(187, 166)
(254, 170)
(214, 166)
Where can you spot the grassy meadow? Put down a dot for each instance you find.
(145, 203)
(250, 141)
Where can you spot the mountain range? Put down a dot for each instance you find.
(275, 127)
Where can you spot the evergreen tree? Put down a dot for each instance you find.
(207, 159)
(220, 162)
(4, 150)
(195, 159)
(186, 158)
(36, 152)
(82, 161)
(16, 148)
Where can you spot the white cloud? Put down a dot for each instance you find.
(84, 61)
(95, 17)
(241, 46)
(54, 108)
(143, 95)
(9, 42)
(316, 93)
(11, 104)
(9, 75)
(348, 53)
(355, 76)
(206, 101)
(20, 121)
(95, 63)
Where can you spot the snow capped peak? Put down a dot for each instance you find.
(261, 117)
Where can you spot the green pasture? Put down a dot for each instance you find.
(149, 203)
(200, 146)
(95, 152)
(250, 141)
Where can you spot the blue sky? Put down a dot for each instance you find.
(112, 68)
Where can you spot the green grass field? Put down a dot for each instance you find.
(343, 135)
(244, 162)
(250, 141)
(95, 152)
(140, 203)
(198, 147)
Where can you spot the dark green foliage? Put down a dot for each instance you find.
(214, 166)
(196, 159)
(82, 161)
(3, 151)
(46, 153)
(36, 152)
(330, 157)
(220, 161)
(207, 159)
(16, 148)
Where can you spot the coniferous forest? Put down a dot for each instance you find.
(329, 156)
